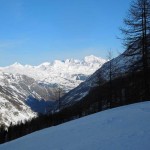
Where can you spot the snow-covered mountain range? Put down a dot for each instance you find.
(27, 89)
(68, 73)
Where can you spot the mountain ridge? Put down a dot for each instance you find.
(49, 72)
(27, 89)
(120, 66)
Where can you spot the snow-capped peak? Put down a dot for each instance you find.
(46, 64)
(71, 61)
(94, 59)
(16, 64)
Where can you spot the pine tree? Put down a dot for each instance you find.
(137, 36)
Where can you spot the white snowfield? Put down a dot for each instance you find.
(123, 128)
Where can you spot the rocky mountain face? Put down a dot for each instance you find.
(25, 89)
(119, 66)
(22, 96)
(12, 106)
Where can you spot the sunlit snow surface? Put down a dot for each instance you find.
(124, 128)
(69, 73)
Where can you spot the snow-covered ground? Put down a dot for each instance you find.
(124, 128)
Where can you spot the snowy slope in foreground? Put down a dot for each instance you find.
(124, 128)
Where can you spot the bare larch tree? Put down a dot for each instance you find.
(137, 36)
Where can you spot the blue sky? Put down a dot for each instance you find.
(35, 31)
